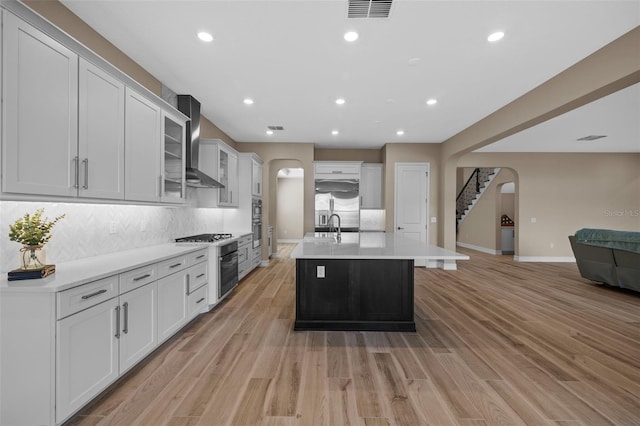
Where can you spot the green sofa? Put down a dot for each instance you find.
(608, 256)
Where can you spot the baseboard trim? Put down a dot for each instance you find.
(550, 259)
(477, 248)
(264, 263)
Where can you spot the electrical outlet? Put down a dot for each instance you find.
(434, 219)
(534, 220)
(113, 227)
(320, 272)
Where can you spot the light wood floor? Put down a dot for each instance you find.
(498, 343)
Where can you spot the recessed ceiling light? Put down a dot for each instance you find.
(432, 101)
(351, 36)
(334, 132)
(269, 132)
(248, 101)
(340, 101)
(204, 36)
(495, 36)
(400, 132)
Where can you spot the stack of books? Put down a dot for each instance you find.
(31, 274)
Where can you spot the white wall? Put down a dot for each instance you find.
(84, 232)
(290, 213)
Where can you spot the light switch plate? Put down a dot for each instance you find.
(320, 272)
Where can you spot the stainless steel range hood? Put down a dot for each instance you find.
(190, 107)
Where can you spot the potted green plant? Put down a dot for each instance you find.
(33, 232)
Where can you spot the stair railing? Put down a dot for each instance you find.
(468, 192)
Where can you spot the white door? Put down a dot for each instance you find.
(87, 356)
(40, 112)
(172, 304)
(142, 148)
(138, 330)
(411, 201)
(101, 133)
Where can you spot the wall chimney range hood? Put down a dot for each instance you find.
(190, 107)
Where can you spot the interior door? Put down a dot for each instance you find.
(411, 201)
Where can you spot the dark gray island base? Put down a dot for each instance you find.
(355, 294)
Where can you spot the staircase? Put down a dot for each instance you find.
(472, 190)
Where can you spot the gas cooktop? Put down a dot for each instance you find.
(204, 238)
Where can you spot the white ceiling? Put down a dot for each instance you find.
(291, 58)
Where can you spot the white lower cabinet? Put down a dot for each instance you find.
(87, 356)
(98, 344)
(139, 325)
(82, 339)
(172, 303)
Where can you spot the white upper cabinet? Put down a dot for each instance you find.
(101, 133)
(173, 159)
(228, 176)
(337, 169)
(74, 126)
(220, 161)
(371, 186)
(143, 179)
(40, 112)
(256, 177)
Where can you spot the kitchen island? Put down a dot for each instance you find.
(362, 282)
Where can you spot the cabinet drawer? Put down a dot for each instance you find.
(257, 253)
(197, 277)
(256, 260)
(197, 302)
(82, 297)
(243, 254)
(135, 278)
(172, 265)
(246, 239)
(244, 268)
(197, 257)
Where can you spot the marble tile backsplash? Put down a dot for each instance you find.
(86, 229)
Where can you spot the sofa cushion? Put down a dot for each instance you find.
(621, 240)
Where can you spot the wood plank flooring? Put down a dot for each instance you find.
(497, 343)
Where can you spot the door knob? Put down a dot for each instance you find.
(400, 227)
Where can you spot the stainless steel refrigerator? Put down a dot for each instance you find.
(339, 196)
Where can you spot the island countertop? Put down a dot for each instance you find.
(369, 245)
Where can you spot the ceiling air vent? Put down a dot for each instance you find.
(592, 137)
(275, 127)
(369, 8)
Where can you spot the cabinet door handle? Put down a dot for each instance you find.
(200, 276)
(200, 301)
(160, 186)
(175, 265)
(75, 172)
(201, 256)
(89, 296)
(117, 322)
(258, 185)
(86, 173)
(125, 329)
(188, 283)
(142, 277)
(400, 227)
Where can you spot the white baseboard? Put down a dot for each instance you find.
(550, 259)
(448, 265)
(264, 263)
(290, 240)
(478, 248)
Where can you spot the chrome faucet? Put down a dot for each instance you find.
(339, 236)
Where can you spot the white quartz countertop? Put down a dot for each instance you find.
(369, 245)
(81, 271)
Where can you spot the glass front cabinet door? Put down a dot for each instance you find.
(173, 169)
